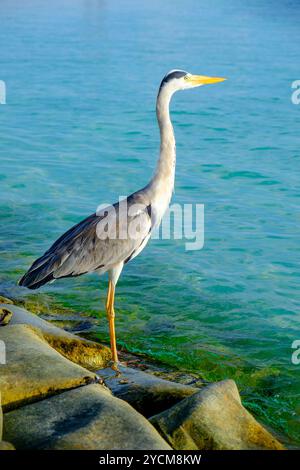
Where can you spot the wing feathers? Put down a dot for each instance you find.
(83, 249)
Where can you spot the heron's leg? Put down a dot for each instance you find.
(111, 321)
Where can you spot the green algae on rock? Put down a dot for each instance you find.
(81, 351)
(5, 300)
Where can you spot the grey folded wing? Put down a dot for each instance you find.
(102, 240)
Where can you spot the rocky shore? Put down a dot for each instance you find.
(57, 392)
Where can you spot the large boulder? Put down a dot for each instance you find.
(81, 351)
(147, 393)
(33, 369)
(213, 418)
(86, 418)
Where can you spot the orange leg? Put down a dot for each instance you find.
(111, 321)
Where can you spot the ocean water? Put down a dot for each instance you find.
(79, 129)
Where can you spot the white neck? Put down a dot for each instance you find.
(162, 183)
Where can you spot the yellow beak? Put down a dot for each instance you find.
(203, 80)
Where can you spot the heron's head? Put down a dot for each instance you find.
(180, 80)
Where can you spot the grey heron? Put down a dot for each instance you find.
(103, 242)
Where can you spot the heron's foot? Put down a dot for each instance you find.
(114, 365)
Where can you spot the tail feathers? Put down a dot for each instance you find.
(39, 274)
(28, 280)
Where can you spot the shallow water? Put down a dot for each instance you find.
(79, 129)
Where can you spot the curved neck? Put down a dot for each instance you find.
(165, 170)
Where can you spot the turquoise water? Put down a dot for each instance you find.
(79, 129)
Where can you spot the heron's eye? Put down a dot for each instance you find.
(186, 77)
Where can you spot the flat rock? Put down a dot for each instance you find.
(86, 418)
(81, 351)
(213, 419)
(147, 393)
(34, 369)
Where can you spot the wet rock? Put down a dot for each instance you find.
(5, 316)
(87, 418)
(73, 323)
(81, 351)
(180, 377)
(147, 393)
(213, 419)
(33, 369)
